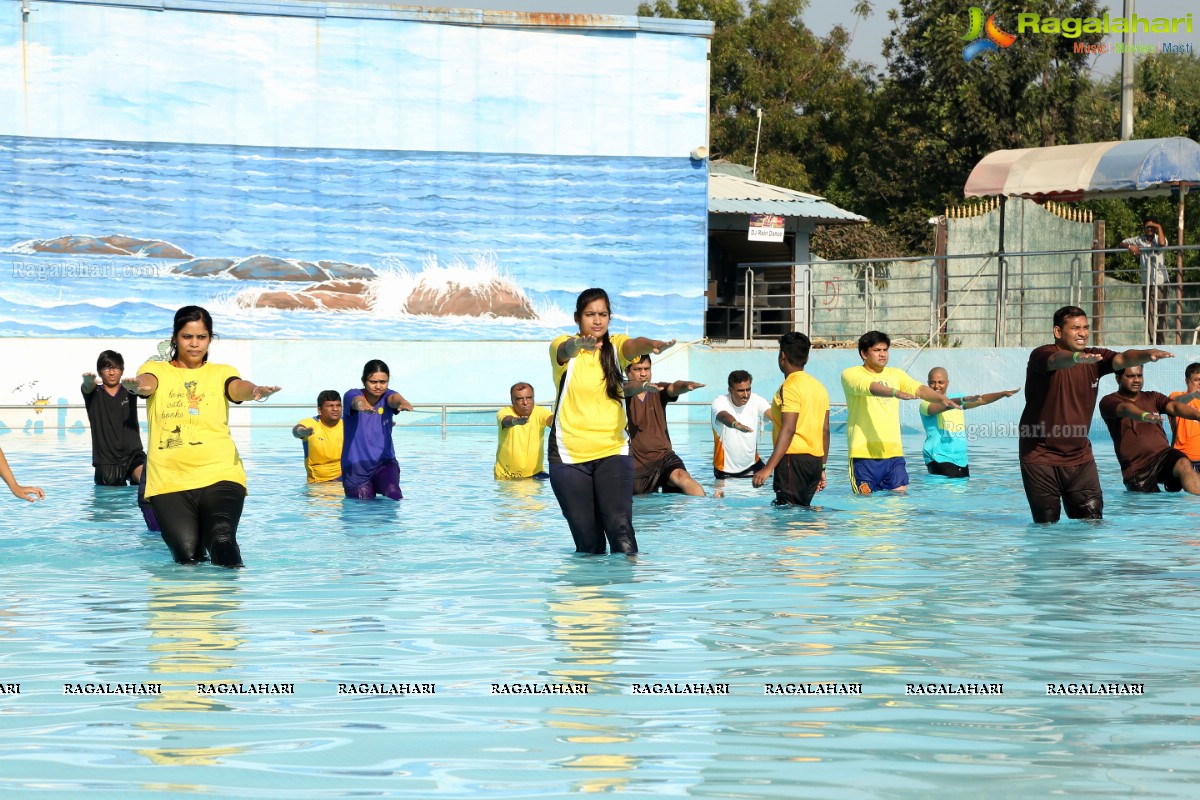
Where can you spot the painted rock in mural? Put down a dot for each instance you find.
(324, 296)
(114, 245)
(492, 299)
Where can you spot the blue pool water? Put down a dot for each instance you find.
(467, 583)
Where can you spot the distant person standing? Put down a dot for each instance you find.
(1185, 433)
(736, 418)
(945, 448)
(591, 470)
(369, 465)
(117, 453)
(1148, 249)
(1134, 420)
(656, 465)
(1062, 383)
(195, 479)
(873, 390)
(520, 437)
(800, 428)
(322, 437)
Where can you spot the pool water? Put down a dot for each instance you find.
(469, 583)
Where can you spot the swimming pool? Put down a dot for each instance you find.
(469, 583)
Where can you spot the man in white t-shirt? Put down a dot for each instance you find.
(735, 421)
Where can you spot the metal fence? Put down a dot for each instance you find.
(974, 300)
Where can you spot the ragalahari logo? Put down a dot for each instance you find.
(985, 36)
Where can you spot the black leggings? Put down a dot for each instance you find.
(596, 498)
(200, 520)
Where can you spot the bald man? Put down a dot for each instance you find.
(946, 428)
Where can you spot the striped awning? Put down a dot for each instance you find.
(1075, 171)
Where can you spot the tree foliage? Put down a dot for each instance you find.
(898, 147)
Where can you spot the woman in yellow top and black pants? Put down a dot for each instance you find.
(591, 470)
(195, 480)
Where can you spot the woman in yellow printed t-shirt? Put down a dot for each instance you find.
(591, 470)
(195, 481)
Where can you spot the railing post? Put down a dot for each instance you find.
(747, 324)
(443, 421)
(810, 307)
(868, 291)
(933, 296)
(1001, 294)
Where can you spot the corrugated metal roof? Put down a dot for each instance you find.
(729, 194)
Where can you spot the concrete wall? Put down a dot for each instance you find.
(48, 371)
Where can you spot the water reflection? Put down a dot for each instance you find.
(193, 635)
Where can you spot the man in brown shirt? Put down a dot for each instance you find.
(655, 464)
(1134, 420)
(1062, 382)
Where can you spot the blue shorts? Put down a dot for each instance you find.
(878, 474)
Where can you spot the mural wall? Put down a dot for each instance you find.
(345, 178)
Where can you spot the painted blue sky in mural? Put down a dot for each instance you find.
(346, 178)
(83, 72)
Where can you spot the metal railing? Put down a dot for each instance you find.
(973, 299)
(425, 415)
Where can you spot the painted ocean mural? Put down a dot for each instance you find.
(106, 238)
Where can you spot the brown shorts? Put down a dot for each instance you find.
(1049, 488)
(652, 477)
(1160, 470)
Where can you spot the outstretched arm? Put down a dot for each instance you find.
(242, 390)
(397, 401)
(973, 401)
(29, 493)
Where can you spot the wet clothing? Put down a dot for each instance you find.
(1059, 406)
(796, 479)
(588, 424)
(1185, 433)
(1142, 448)
(945, 436)
(116, 438)
(591, 471)
(195, 482)
(322, 450)
(385, 480)
(735, 453)
(367, 447)
(1049, 488)
(188, 421)
(648, 478)
(1055, 452)
(869, 475)
(199, 521)
(520, 449)
(596, 498)
(947, 469)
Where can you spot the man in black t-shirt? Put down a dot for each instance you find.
(1062, 383)
(1134, 420)
(117, 452)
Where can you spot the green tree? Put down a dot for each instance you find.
(764, 57)
(938, 114)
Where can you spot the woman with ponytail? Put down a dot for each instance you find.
(591, 470)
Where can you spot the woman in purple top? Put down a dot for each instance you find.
(368, 458)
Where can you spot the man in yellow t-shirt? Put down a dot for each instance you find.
(873, 416)
(799, 427)
(322, 437)
(520, 450)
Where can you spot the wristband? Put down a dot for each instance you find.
(1144, 415)
(1075, 357)
(894, 392)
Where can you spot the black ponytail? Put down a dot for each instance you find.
(613, 377)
